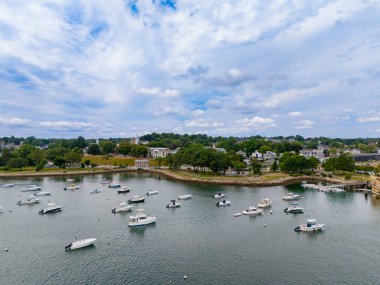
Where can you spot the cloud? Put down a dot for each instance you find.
(373, 118)
(257, 122)
(14, 121)
(155, 91)
(198, 112)
(66, 124)
(295, 114)
(304, 124)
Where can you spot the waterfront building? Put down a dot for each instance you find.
(156, 152)
(317, 153)
(142, 164)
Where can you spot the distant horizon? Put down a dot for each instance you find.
(219, 67)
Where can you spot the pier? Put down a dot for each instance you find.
(349, 186)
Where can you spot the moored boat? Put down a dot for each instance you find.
(291, 197)
(219, 195)
(95, 191)
(310, 226)
(114, 185)
(80, 243)
(124, 189)
(223, 203)
(51, 208)
(31, 188)
(30, 201)
(294, 209)
(151, 192)
(265, 203)
(184, 197)
(123, 207)
(42, 193)
(136, 199)
(140, 219)
(71, 187)
(173, 204)
(252, 211)
(8, 185)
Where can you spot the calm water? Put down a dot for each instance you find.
(205, 242)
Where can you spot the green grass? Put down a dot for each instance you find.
(114, 161)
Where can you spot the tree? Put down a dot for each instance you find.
(17, 162)
(59, 161)
(124, 148)
(313, 162)
(256, 166)
(94, 149)
(87, 162)
(274, 167)
(36, 157)
(139, 150)
(73, 157)
(6, 155)
(263, 149)
(107, 146)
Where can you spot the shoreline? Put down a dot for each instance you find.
(173, 175)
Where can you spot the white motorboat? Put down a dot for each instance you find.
(223, 203)
(95, 191)
(70, 179)
(141, 219)
(265, 203)
(151, 192)
(252, 211)
(294, 209)
(114, 185)
(71, 187)
(291, 197)
(51, 208)
(310, 226)
(105, 181)
(237, 214)
(219, 195)
(173, 204)
(30, 201)
(123, 207)
(124, 189)
(184, 197)
(8, 185)
(80, 243)
(42, 193)
(136, 199)
(31, 188)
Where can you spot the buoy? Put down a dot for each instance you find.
(265, 225)
(185, 277)
(108, 242)
(271, 212)
(6, 249)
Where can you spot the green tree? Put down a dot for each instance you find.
(256, 167)
(107, 146)
(87, 162)
(59, 161)
(124, 148)
(314, 162)
(263, 149)
(73, 157)
(17, 162)
(36, 157)
(274, 167)
(94, 149)
(6, 155)
(139, 150)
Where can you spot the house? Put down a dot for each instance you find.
(269, 155)
(242, 153)
(158, 151)
(256, 155)
(317, 153)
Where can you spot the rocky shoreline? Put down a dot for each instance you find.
(173, 175)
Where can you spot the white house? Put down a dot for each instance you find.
(256, 155)
(317, 153)
(158, 151)
(269, 155)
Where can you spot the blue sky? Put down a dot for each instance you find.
(231, 68)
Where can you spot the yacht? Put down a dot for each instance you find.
(124, 189)
(223, 203)
(8, 185)
(184, 197)
(31, 188)
(219, 195)
(51, 208)
(80, 243)
(173, 204)
(123, 207)
(42, 193)
(30, 201)
(140, 219)
(136, 199)
(151, 192)
(252, 211)
(95, 191)
(291, 197)
(114, 185)
(71, 187)
(310, 226)
(265, 203)
(294, 209)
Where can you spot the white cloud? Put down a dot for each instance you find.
(155, 91)
(14, 121)
(375, 118)
(170, 110)
(66, 124)
(304, 124)
(256, 122)
(295, 114)
(198, 112)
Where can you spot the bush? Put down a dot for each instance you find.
(6, 168)
(347, 176)
(39, 167)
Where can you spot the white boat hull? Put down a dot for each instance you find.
(144, 222)
(80, 243)
(184, 197)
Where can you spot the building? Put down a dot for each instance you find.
(317, 153)
(158, 152)
(242, 153)
(269, 155)
(366, 156)
(142, 163)
(257, 155)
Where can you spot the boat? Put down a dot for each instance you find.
(265, 203)
(375, 185)
(140, 219)
(95, 191)
(223, 203)
(310, 226)
(237, 214)
(70, 179)
(105, 181)
(30, 201)
(31, 188)
(71, 187)
(123, 207)
(294, 209)
(80, 243)
(8, 185)
(42, 193)
(173, 204)
(51, 208)
(291, 197)
(151, 192)
(1, 209)
(252, 211)
(136, 199)
(184, 197)
(124, 189)
(219, 195)
(114, 185)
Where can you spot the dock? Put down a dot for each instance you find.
(337, 188)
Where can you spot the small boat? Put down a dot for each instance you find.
(219, 195)
(51, 208)
(223, 203)
(8, 185)
(80, 243)
(70, 179)
(252, 211)
(173, 204)
(42, 193)
(114, 185)
(294, 209)
(124, 189)
(291, 197)
(95, 191)
(140, 219)
(136, 199)
(71, 187)
(310, 226)
(31, 188)
(184, 197)
(1, 209)
(123, 207)
(265, 203)
(30, 201)
(105, 181)
(237, 214)
(151, 192)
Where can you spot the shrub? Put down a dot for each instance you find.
(39, 167)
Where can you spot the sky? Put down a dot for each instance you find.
(118, 68)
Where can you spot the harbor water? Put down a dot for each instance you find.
(200, 240)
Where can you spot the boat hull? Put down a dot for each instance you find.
(80, 244)
(147, 221)
(50, 211)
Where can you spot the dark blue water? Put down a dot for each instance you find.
(200, 240)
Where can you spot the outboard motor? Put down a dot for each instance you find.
(41, 212)
(297, 229)
(114, 211)
(286, 209)
(19, 203)
(67, 247)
